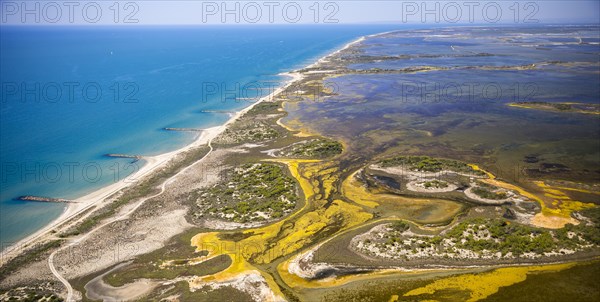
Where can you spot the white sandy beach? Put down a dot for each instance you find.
(81, 204)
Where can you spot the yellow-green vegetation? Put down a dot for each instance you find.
(356, 191)
(578, 190)
(556, 205)
(324, 216)
(483, 285)
(314, 148)
(420, 210)
(569, 284)
(477, 168)
(429, 164)
(382, 288)
(319, 218)
(252, 192)
(578, 283)
(341, 203)
(561, 204)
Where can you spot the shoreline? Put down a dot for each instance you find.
(85, 202)
(152, 164)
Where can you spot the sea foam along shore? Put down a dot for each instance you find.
(152, 164)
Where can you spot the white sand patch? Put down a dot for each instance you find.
(216, 224)
(418, 175)
(419, 186)
(302, 265)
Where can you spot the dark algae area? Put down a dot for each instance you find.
(579, 283)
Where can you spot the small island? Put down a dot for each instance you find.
(559, 107)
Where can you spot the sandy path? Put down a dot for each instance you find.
(123, 216)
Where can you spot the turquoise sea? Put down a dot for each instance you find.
(70, 95)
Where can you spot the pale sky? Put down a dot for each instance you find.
(162, 12)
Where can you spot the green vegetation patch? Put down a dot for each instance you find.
(399, 226)
(590, 230)
(29, 295)
(437, 184)
(487, 194)
(488, 191)
(265, 107)
(253, 192)
(247, 131)
(314, 148)
(480, 238)
(375, 291)
(429, 164)
(499, 235)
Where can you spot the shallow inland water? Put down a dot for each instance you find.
(456, 106)
(572, 284)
